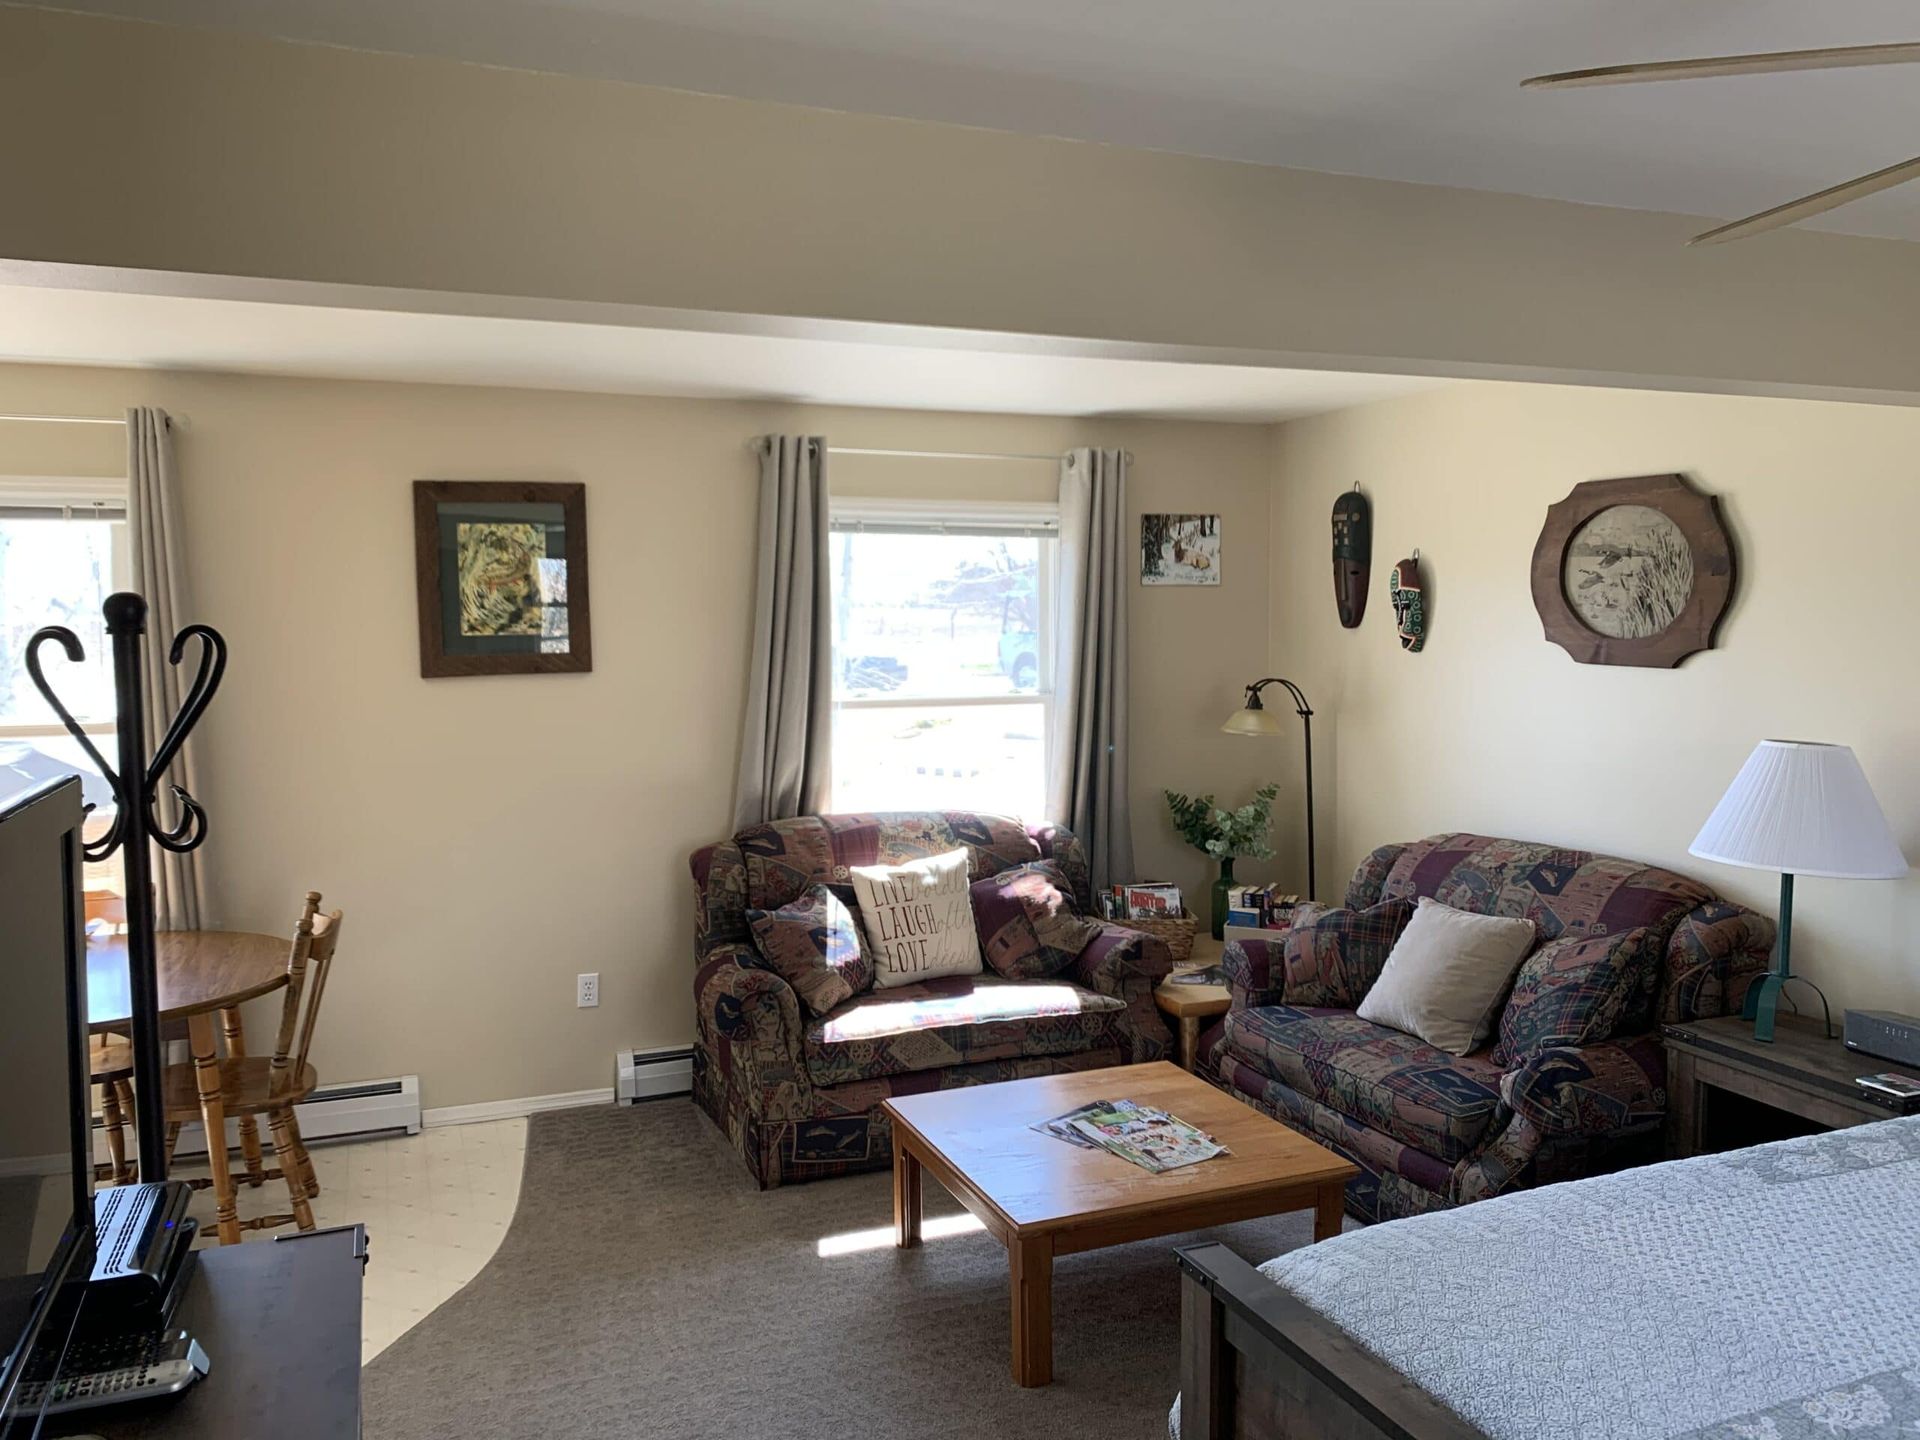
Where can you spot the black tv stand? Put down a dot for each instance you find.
(280, 1320)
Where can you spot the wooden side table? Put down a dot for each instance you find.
(1189, 1005)
(1802, 1072)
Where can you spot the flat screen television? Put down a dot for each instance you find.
(46, 1161)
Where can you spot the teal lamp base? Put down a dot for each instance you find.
(1763, 996)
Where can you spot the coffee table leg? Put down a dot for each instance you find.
(906, 1195)
(1030, 1281)
(1328, 1211)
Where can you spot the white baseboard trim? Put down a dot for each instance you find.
(512, 1109)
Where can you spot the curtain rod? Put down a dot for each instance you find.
(1052, 459)
(67, 419)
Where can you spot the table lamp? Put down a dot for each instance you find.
(1800, 808)
(1254, 718)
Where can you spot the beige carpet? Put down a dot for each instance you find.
(646, 1290)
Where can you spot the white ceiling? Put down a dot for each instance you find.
(92, 327)
(1422, 90)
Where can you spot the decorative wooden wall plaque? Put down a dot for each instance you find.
(1636, 571)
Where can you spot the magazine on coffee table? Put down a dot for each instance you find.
(1139, 1134)
(1061, 1126)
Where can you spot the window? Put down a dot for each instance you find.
(62, 552)
(942, 655)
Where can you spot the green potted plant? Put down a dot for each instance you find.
(1226, 836)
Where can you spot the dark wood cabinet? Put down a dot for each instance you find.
(1725, 1089)
(280, 1322)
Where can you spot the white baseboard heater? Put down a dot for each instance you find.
(358, 1111)
(650, 1074)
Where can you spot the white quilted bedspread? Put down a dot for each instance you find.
(1766, 1294)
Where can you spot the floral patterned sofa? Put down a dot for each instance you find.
(799, 1095)
(1575, 1079)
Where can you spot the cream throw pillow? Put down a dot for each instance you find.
(1445, 975)
(918, 919)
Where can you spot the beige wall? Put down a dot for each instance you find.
(491, 838)
(1493, 729)
(172, 149)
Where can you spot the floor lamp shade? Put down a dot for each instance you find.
(1802, 809)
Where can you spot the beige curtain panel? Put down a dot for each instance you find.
(154, 533)
(786, 744)
(1087, 750)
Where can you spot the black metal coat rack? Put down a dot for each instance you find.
(136, 821)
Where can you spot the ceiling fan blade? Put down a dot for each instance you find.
(1817, 203)
(1834, 58)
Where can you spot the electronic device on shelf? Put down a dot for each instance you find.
(1904, 1090)
(114, 1369)
(143, 1242)
(1884, 1033)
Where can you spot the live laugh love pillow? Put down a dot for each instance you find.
(918, 919)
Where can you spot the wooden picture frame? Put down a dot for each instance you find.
(1682, 509)
(505, 605)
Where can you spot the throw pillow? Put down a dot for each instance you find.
(1332, 957)
(1028, 924)
(918, 918)
(814, 944)
(1446, 974)
(1580, 990)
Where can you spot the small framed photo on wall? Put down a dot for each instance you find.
(501, 569)
(1179, 549)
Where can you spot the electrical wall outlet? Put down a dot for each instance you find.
(587, 991)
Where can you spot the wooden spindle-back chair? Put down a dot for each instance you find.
(272, 1085)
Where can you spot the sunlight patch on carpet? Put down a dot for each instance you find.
(934, 1227)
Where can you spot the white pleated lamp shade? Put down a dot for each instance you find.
(1803, 808)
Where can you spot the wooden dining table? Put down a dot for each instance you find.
(200, 975)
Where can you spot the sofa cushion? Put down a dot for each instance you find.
(1332, 957)
(1447, 974)
(1029, 925)
(1579, 990)
(814, 944)
(1438, 1103)
(958, 1020)
(918, 919)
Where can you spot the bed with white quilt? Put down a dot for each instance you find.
(1764, 1294)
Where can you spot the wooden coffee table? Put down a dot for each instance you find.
(1041, 1197)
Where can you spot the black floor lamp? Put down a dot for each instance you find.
(1255, 719)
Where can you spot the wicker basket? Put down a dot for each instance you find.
(1175, 932)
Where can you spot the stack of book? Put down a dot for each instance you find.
(1142, 900)
(1138, 1134)
(1260, 907)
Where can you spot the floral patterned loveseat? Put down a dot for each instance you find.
(1574, 1076)
(799, 1095)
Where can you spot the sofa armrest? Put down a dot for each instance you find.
(1590, 1090)
(1256, 972)
(749, 1022)
(1716, 952)
(1119, 960)
(1128, 965)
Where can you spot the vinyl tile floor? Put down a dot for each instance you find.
(436, 1206)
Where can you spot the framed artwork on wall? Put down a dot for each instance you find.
(1636, 571)
(501, 569)
(1179, 549)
